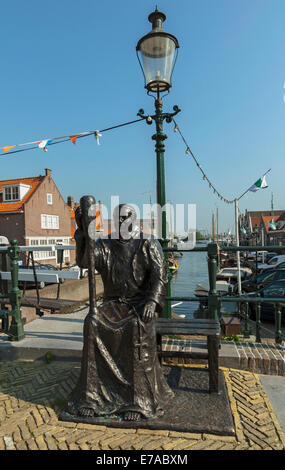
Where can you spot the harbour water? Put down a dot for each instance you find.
(192, 269)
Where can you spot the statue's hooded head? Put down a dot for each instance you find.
(124, 219)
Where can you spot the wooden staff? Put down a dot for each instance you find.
(86, 202)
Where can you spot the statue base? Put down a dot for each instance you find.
(193, 409)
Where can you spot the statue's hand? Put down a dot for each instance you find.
(149, 311)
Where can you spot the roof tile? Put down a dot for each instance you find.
(17, 205)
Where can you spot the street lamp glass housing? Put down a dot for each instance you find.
(157, 53)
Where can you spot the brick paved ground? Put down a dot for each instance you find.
(33, 393)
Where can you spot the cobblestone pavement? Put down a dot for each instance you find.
(32, 395)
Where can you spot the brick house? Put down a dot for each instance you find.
(256, 224)
(33, 211)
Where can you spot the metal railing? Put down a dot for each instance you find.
(214, 300)
(12, 296)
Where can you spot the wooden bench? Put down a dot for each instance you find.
(201, 327)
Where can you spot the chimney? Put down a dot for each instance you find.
(48, 172)
(70, 202)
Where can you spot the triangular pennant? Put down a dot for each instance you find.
(73, 138)
(97, 135)
(43, 143)
(6, 149)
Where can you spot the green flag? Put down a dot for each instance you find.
(272, 224)
(259, 184)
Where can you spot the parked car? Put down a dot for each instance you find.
(275, 289)
(269, 256)
(274, 262)
(255, 283)
(261, 255)
(83, 271)
(250, 255)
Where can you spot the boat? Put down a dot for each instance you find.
(177, 315)
(172, 264)
(230, 274)
(202, 290)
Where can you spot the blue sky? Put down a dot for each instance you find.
(69, 67)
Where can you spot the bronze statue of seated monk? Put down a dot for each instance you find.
(120, 371)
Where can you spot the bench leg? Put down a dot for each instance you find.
(213, 350)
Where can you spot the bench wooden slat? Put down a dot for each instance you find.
(28, 276)
(185, 320)
(46, 303)
(184, 354)
(184, 332)
(191, 327)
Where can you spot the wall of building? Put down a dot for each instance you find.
(12, 225)
(37, 206)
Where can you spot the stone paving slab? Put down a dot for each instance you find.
(33, 393)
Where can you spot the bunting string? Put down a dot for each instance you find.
(44, 143)
(188, 151)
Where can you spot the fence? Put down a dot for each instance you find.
(214, 300)
(12, 295)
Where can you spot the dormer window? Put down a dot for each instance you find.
(15, 192)
(11, 193)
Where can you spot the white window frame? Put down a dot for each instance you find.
(49, 222)
(51, 241)
(11, 190)
(49, 199)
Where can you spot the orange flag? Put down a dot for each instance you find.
(73, 138)
(6, 149)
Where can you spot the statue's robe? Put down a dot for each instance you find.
(120, 370)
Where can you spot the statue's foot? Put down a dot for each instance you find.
(132, 416)
(86, 412)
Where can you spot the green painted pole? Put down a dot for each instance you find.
(278, 331)
(247, 329)
(213, 302)
(258, 323)
(16, 330)
(159, 138)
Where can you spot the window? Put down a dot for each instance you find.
(41, 255)
(49, 199)
(273, 261)
(281, 275)
(11, 193)
(266, 277)
(276, 290)
(49, 221)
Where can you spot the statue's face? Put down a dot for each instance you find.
(124, 219)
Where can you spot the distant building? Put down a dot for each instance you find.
(255, 227)
(72, 206)
(33, 211)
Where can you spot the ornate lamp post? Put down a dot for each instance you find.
(157, 53)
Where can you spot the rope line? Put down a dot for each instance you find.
(205, 177)
(66, 138)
